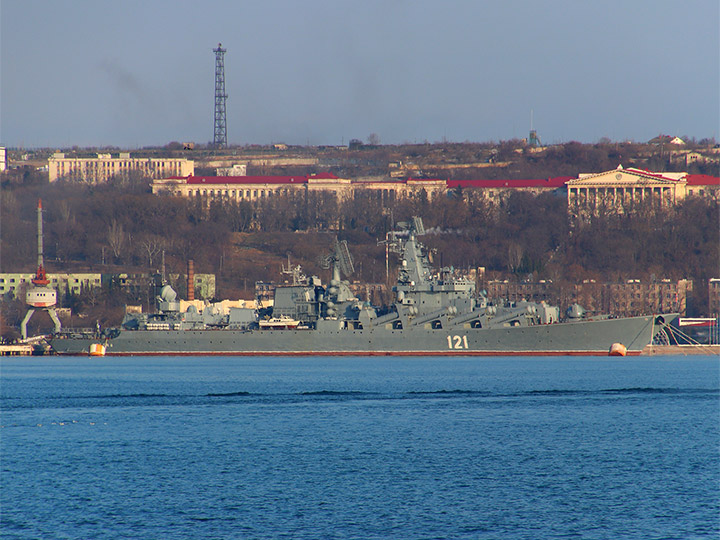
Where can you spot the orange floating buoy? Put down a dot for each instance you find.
(97, 349)
(617, 349)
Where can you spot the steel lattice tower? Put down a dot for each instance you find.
(220, 133)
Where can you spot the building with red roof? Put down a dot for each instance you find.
(619, 187)
(621, 190)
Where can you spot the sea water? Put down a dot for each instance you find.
(333, 448)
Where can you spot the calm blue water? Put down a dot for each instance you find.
(315, 448)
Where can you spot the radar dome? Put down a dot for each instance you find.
(168, 294)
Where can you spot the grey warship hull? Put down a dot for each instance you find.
(434, 313)
(592, 337)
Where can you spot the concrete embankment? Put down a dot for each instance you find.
(664, 350)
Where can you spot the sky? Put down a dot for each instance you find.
(134, 73)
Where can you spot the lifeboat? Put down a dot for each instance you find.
(279, 323)
(617, 349)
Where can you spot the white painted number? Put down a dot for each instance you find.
(457, 342)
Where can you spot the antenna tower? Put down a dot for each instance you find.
(533, 139)
(220, 133)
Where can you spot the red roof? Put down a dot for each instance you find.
(384, 181)
(556, 182)
(247, 179)
(297, 179)
(324, 176)
(702, 180)
(651, 174)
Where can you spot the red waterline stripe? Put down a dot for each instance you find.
(361, 353)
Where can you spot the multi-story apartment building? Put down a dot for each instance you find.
(714, 296)
(625, 299)
(104, 167)
(138, 284)
(16, 283)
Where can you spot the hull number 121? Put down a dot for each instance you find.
(457, 342)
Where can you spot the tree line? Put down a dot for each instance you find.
(124, 228)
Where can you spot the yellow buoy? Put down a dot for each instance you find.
(97, 349)
(617, 349)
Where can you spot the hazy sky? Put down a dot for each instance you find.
(135, 73)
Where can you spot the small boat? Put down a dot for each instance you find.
(279, 323)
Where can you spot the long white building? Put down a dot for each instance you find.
(104, 167)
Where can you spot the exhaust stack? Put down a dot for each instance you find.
(190, 280)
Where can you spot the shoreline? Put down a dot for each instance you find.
(689, 350)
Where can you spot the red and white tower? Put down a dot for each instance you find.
(39, 295)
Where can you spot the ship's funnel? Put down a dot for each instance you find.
(190, 280)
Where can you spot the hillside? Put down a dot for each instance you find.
(121, 226)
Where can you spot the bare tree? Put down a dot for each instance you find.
(515, 255)
(65, 211)
(116, 238)
(152, 245)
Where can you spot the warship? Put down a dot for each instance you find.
(432, 313)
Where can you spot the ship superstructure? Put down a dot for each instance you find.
(433, 313)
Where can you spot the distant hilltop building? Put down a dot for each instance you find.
(621, 190)
(251, 188)
(102, 168)
(667, 139)
(237, 169)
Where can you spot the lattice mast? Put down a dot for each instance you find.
(220, 133)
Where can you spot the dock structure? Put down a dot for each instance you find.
(18, 349)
